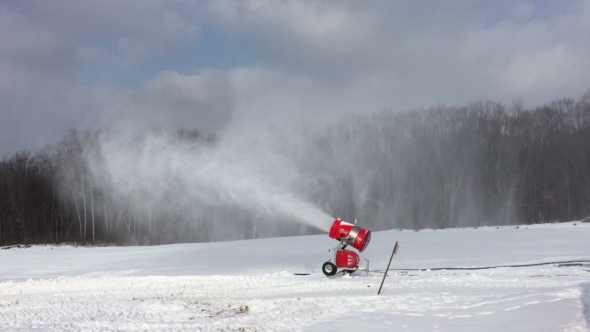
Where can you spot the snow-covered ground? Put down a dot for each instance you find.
(250, 285)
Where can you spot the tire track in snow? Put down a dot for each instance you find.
(586, 302)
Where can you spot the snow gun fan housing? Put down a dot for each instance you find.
(349, 235)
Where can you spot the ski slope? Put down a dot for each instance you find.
(250, 285)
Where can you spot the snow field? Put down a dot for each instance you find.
(250, 286)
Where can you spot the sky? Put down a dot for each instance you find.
(204, 64)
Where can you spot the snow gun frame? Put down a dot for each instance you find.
(347, 234)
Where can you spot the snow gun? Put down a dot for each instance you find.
(349, 235)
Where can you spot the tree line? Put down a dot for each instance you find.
(484, 163)
(480, 164)
(52, 197)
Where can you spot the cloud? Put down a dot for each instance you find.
(139, 29)
(51, 53)
(26, 51)
(78, 63)
(548, 71)
(538, 60)
(206, 87)
(314, 37)
(403, 55)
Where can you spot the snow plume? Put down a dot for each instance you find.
(239, 186)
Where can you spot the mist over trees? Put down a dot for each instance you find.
(481, 164)
(448, 166)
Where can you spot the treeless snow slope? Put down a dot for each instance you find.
(250, 286)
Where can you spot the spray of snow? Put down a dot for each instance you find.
(251, 167)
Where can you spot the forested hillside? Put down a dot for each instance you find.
(448, 166)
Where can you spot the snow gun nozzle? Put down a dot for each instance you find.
(350, 234)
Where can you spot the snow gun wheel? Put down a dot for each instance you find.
(329, 269)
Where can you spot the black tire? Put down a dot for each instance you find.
(329, 269)
(349, 271)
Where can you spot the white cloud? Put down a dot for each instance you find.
(311, 37)
(21, 38)
(522, 11)
(539, 61)
(142, 29)
(205, 87)
(298, 59)
(402, 55)
(548, 71)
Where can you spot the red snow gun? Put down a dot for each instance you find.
(349, 235)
